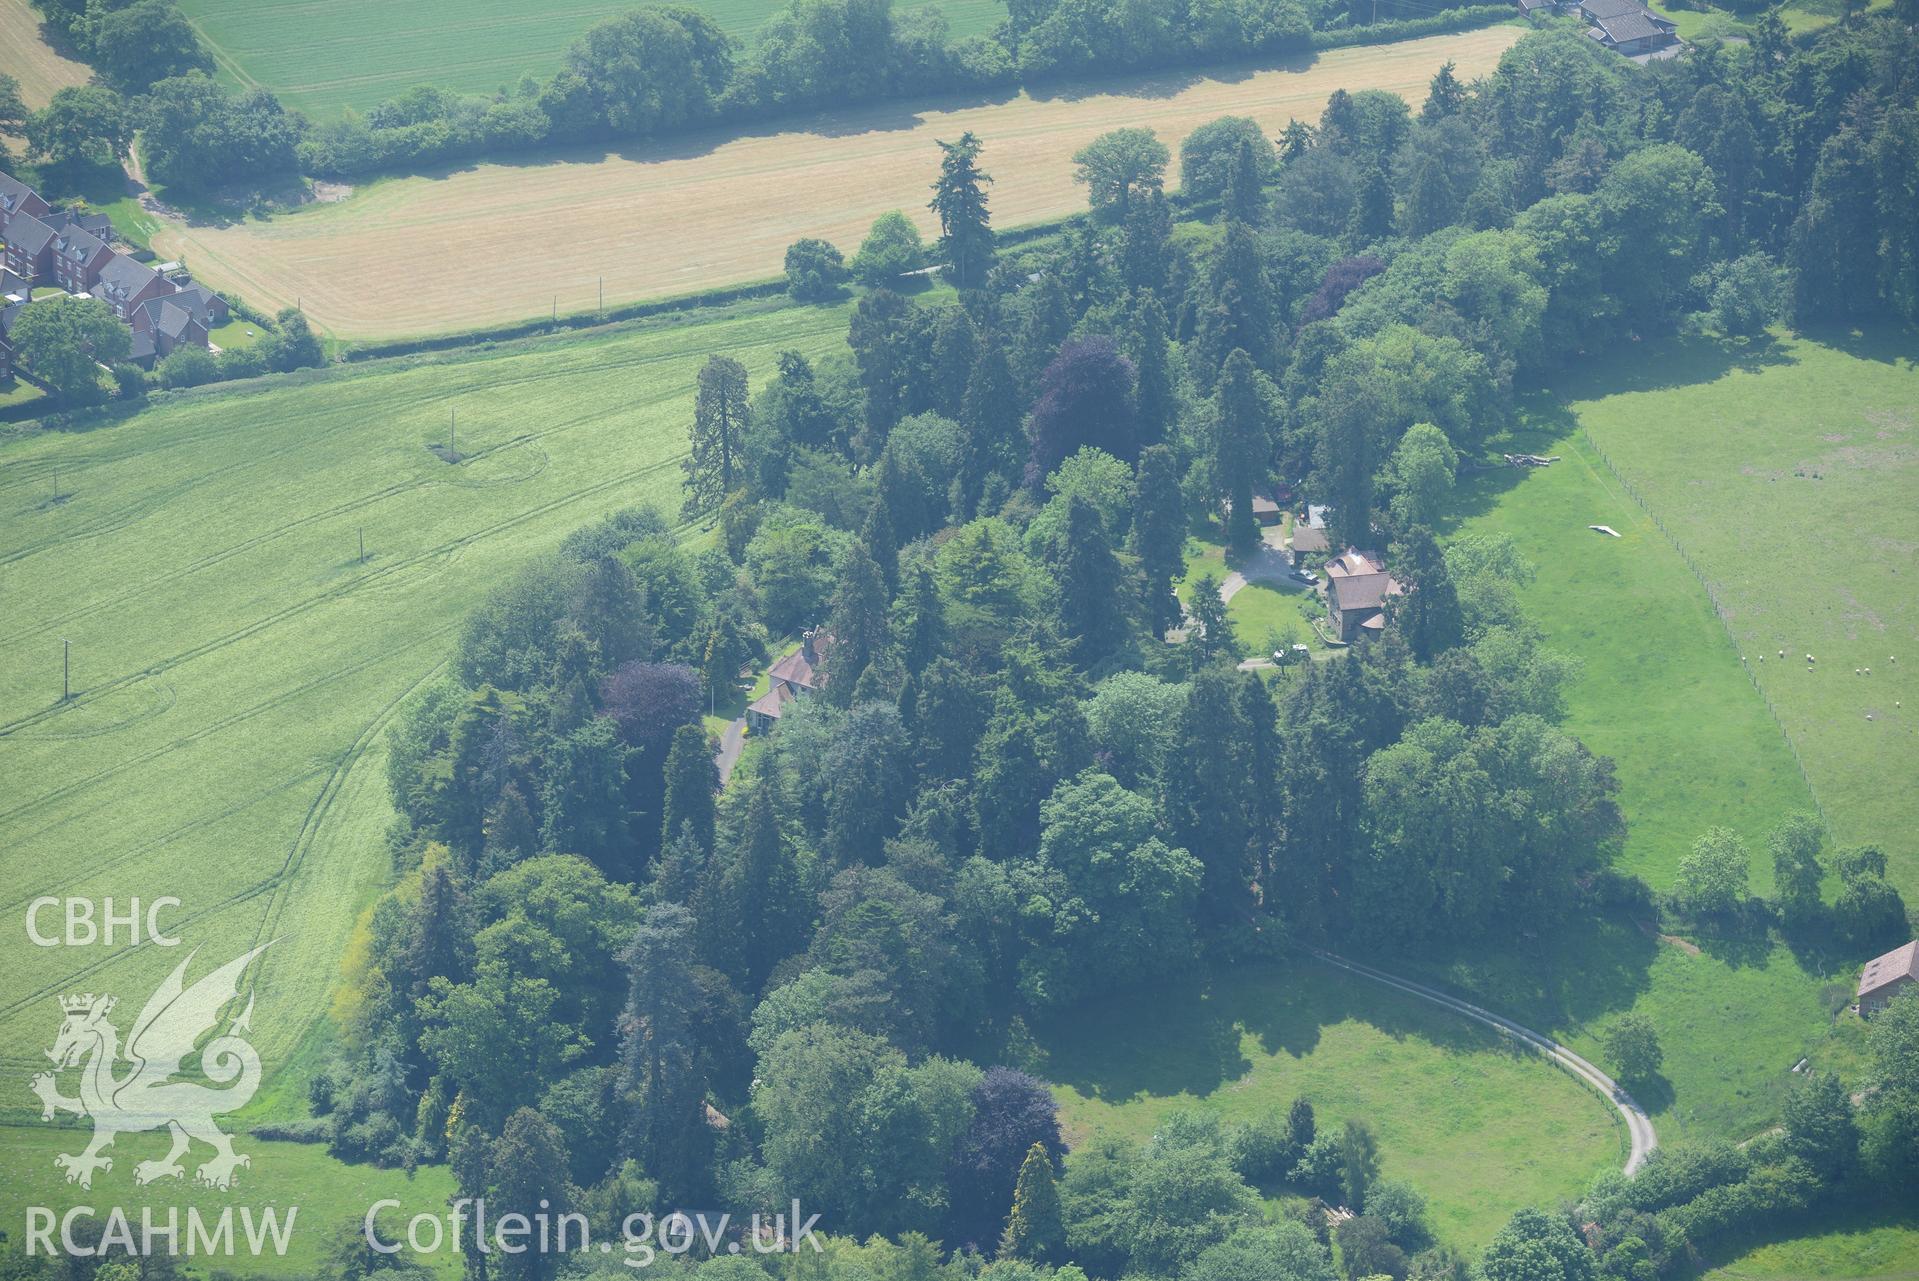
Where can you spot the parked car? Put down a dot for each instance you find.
(1307, 577)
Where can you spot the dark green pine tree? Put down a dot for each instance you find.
(773, 920)
(1047, 322)
(1261, 765)
(959, 201)
(919, 619)
(1373, 207)
(719, 436)
(1429, 616)
(1159, 534)
(1008, 786)
(1093, 603)
(691, 780)
(666, 1128)
(1205, 805)
(881, 543)
(1241, 423)
(439, 940)
(1147, 334)
(1244, 199)
(906, 512)
(677, 871)
(510, 833)
(610, 610)
(991, 438)
(1346, 453)
(1146, 245)
(527, 1175)
(955, 347)
(858, 623)
(1240, 309)
(1444, 96)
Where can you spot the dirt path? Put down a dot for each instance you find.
(501, 242)
(1639, 1127)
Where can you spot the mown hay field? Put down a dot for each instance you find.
(503, 242)
(236, 665)
(29, 59)
(326, 58)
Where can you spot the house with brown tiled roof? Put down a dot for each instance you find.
(1886, 976)
(1357, 588)
(798, 672)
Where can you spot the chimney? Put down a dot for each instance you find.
(806, 648)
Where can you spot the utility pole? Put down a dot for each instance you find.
(363, 544)
(66, 669)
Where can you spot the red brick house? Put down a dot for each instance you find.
(163, 325)
(30, 248)
(17, 198)
(78, 259)
(124, 284)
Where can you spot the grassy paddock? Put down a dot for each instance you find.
(1752, 454)
(235, 663)
(1476, 1124)
(1662, 692)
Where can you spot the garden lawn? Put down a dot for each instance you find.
(235, 665)
(1269, 618)
(325, 59)
(324, 1194)
(1477, 1125)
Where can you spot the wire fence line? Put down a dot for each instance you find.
(1719, 611)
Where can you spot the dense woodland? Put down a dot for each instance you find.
(1029, 781)
(605, 981)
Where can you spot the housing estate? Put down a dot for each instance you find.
(1886, 976)
(41, 247)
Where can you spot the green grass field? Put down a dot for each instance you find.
(325, 1194)
(1857, 1247)
(1480, 1127)
(1745, 460)
(351, 54)
(235, 665)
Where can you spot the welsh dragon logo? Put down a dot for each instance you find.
(146, 1096)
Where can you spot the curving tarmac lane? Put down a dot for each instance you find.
(1638, 1124)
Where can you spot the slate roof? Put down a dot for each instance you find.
(169, 317)
(75, 245)
(29, 235)
(801, 667)
(772, 701)
(123, 277)
(1627, 27)
(1308, 539)
(1597, 9)
(14, 194)
(8, 315)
